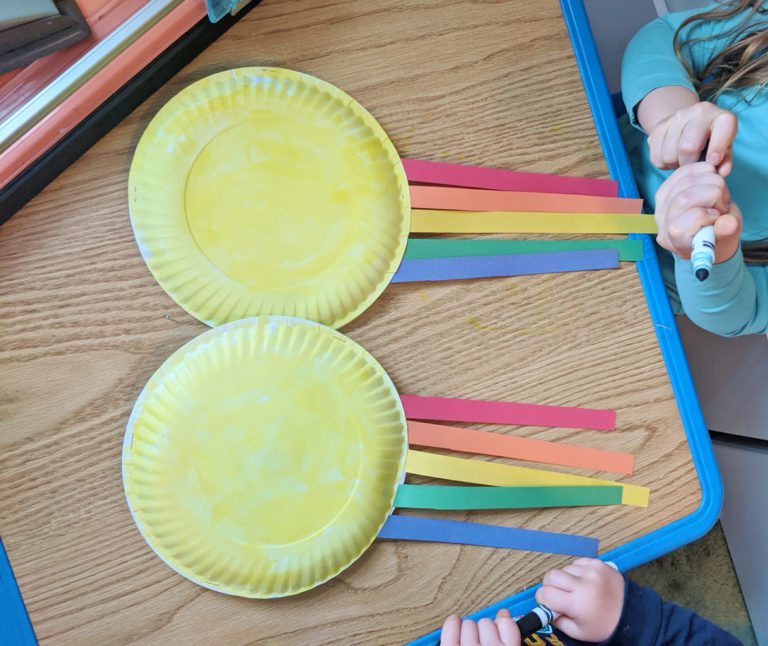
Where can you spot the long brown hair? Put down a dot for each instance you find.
(741, 65)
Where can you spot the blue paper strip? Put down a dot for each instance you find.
(462, 267)
(418, 528)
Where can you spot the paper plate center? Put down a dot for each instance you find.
(267, 452)
(274, 206)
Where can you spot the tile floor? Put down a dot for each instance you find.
(700, 576)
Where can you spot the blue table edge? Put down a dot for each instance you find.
(695, 525)
(16, 628)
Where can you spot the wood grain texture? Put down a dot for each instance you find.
(84, 326)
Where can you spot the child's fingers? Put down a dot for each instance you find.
(727, 234)
(726, 167)
(561, 579)
(703, 195)
(724, 128)
(680, 232)
(701, 179)
(501, 614)
(489, 633)
(584, 561)
(671, 146)
(574, 569)
(679, 175)
(727, 226)
(555, 599)
(470, 635)
(703, 190)
(508, 631)
(693, 141)
(656, 144)
(568, 626)
(451, 631)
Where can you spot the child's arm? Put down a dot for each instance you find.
(648, 619)
(662, 101)
(598, 604)
(734, 299)
(650, 61)
(731, 302)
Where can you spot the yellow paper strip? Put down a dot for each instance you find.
(505, 475)
(437, 221)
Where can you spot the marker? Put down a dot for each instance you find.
(535, 620)
(703, 252)
(541, 616)
(703, 244)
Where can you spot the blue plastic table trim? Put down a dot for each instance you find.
(15, 627)
(695, 525)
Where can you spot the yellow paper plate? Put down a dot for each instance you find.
(262, 458)
(265, 191)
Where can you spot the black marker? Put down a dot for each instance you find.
(535, 620)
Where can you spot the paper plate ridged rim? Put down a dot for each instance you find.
(166, 509)
(174, 142)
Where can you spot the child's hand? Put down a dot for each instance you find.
(588, 594)
(486, 632)
(691, 198)
(682, 137)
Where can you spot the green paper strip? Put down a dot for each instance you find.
(451, 247)
(448, 497)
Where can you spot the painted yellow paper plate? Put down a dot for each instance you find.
(266, 191)
(262, 458)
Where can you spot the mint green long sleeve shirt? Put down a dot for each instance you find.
(734, 299)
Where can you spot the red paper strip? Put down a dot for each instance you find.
(443, 409)
(499, 179)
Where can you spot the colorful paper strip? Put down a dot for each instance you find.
(472, 199)
(436, 530)
(431, 172)
(438, 436)
(505, 475)
(445, 409)
(414, 496)
(436, 221)
(629, 250)
(464, 267)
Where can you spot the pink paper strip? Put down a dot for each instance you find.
(499, 179)
(445, 409)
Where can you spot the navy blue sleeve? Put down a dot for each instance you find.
(647, 620)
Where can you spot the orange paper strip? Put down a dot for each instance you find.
(471, 199)
(522, 448)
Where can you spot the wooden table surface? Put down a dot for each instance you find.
(84, 325)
